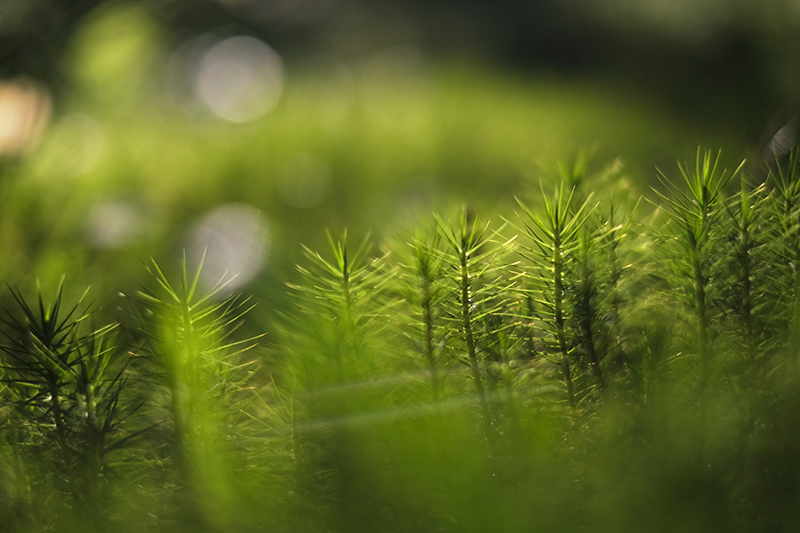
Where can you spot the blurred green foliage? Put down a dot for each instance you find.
(371, 143)
(360, 411)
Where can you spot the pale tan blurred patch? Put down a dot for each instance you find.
(25, 110)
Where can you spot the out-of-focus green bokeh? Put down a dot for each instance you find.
(246, 128)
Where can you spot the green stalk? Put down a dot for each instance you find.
(790, 239)
(427, 317)
(558, 305)
(588, 309)
(701, 308)
(475, 295)
(64, 368)
(465, 286)
(423, 290)
(55, 409)
(787, 192)
(339, 312)
(612, 239)
(696, 213)
(744, 246)
(188, 335)
(41, 351)
(554, 231)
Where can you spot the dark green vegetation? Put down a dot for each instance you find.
(587, 363)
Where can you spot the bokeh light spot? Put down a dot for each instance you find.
(24, 113)
(240, 79)
(781, 143)
(113, 224)
(114, 51)
(180, 73)
(234, 239)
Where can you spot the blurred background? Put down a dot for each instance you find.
(131, 130)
